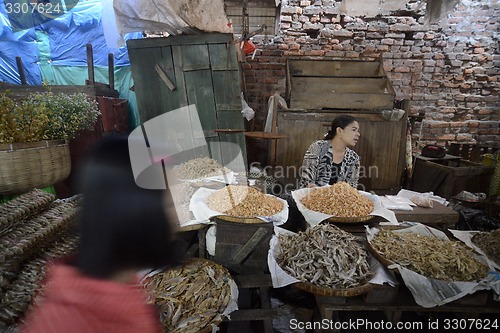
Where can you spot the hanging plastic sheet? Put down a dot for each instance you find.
(174, 16)
(17, 44)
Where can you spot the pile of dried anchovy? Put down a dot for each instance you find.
(199, 168)
(340, 199)
(190, 297)
(326, 256)
(439, 259)
(244, 201)
(37, 231)
(489, 242)
(22, 207)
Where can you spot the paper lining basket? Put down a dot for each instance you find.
(24, 166)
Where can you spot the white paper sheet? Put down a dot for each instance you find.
(281, 278)
(313, 218)
(409, 194)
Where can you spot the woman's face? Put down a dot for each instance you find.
(350, 134)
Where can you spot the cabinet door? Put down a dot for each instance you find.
(381, 146)
(198, 69)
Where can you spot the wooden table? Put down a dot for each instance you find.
(480, 302)
(439, 215)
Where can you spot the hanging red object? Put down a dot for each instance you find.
(248, 47)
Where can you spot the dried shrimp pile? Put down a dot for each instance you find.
(325, 256)
(340, 199)
(190, 297)
(243, 201)
(489, 242)
(201, 167)
(439, 259)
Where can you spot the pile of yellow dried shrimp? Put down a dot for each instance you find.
(243, 201)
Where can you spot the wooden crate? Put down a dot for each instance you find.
(338, 84)
(243, 247)
(447, 178)
(319, 90)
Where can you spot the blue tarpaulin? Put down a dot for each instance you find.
(55, 51)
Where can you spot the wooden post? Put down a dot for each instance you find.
(20, 69)
(111, 71)
(90, 65)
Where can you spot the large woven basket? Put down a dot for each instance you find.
(24, 166)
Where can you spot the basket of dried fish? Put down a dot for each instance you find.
(203, 171)
(325, 260)
(238, 203)
(428, 256)
(489, 243)
(193, 297)
(338, 203)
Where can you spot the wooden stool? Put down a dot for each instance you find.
(242, 248)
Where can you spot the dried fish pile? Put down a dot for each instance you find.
(29, 237)
(199, 168)
(489, 242)
(431, 257)
(243, 201)
(22, 207)
(191, 297)
(325, 256)
(17, 295)
(340, 199)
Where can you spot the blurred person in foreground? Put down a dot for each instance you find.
(123, 229)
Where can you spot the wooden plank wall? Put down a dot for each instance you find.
(381, 146)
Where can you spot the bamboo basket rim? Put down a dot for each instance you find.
(31, 145)
(241, 220)
(38, 164)
(342, 219)
(384, 261)
(326, 291)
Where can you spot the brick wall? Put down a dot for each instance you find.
(449, 71)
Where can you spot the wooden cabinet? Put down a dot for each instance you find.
(202, 69)
(317, 92)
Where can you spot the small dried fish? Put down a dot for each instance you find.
(325, 256)
(440, 259)
(489, 242)
(190, 297)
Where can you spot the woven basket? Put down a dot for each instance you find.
(325, 291)
(356, 219)
(24, 166)
(244, 220)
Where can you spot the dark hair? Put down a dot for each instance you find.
(340, 121)
(122, 225)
